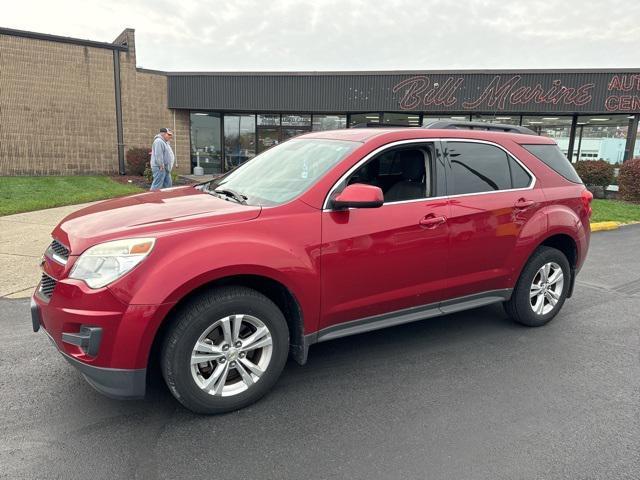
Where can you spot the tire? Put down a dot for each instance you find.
(204, 387)
(526, 309)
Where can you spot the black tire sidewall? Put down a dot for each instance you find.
(521, 297)
(178, 347)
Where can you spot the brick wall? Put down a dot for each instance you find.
(144, 106)
(57, 108)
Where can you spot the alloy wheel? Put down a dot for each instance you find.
(231, 355)
(546, 288)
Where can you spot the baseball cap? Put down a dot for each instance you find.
(166, 130)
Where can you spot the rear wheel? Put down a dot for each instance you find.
(225, 350)
(541, 289)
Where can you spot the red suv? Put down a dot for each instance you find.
(326, 235)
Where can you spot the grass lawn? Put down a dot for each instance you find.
(24, 194)
(615, 210)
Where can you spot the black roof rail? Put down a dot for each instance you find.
(495, 127)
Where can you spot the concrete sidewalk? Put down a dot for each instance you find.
(23, 239)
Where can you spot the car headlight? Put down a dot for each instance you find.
(103, 263)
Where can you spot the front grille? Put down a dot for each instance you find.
(47, 284)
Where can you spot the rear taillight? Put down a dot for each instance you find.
(587, 197)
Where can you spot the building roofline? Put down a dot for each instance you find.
(404, 72)
(60, 39)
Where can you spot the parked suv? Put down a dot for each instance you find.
(326, 235)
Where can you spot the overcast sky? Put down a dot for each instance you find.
(224, 35)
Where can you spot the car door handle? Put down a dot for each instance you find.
(431, 221)
(523, 203)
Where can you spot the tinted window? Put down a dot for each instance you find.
(388, 165)
(519, 176)
(554, 158)
(477, 167)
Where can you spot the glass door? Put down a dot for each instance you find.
(268, 131)
(267, 137)
(294, 125)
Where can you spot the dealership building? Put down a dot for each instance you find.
(72, 106)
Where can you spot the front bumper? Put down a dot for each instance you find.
(116, 383)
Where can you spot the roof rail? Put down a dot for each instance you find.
(496, 127)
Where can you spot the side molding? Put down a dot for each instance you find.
(400, 317)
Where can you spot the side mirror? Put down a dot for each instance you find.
(358, 195)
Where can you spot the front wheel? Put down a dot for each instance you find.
(541, 289)
(225, 350)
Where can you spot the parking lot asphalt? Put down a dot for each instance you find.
(466, 396)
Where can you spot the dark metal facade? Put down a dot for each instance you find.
(571, 91)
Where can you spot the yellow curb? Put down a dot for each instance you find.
(602, 226)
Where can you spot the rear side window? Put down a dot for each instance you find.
(519, 175)
(477, 167)
(554, 158)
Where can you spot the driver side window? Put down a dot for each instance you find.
(402, 173)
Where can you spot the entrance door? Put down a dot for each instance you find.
(382, 260)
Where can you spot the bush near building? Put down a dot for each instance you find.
(148, 175)
(598, 174)
(629, 180)
(137, 160)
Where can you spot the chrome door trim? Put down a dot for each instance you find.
(532, 184)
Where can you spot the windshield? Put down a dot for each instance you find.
(283, 172)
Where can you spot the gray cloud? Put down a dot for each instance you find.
(353, 34)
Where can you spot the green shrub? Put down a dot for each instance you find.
(629, 180)
(596, 173)
(137, 160)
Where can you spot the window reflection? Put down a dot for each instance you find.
(329, 122)
(601, 137)
(296, 120)
(408, 119)
(206, 148)
(427, 119)
(239, 139)
(363, 118)
(505, 119)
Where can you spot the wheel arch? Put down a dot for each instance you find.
(271, 288)
(566, 244)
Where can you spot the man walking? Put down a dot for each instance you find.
(162, 159)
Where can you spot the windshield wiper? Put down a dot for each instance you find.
(237, 196)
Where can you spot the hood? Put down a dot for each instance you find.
(152, 213)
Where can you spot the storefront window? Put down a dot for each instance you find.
(270, 120)
(427, 119)
(329, 122)
(239, 139)
(554, 126)
(363, 118)
(268, 137)
(408, 119)
(296, 120)
(601, 137)
(206, 147)
(504, 119)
